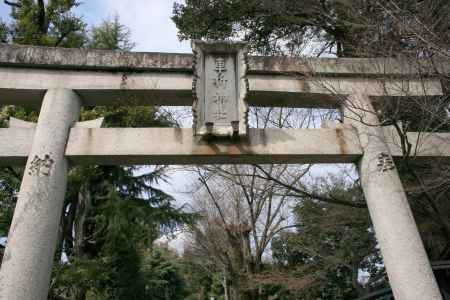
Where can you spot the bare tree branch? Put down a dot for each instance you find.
(14, 4)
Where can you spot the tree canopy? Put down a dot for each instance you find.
(349, 28)
(112, 35)
(51, 23)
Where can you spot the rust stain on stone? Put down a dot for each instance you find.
(305, 86)
(209, 150)
(341, 141)
(233, 150)
(206, 148)
(222, 146)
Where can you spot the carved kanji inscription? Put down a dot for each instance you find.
(221, 96)
(385, 162)
(41, 166)
(220, 89)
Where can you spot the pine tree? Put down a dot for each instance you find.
(47, 24)
(112, 35)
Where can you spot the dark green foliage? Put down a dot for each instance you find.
(267, 25)
(48, 24)
(9, 183)
(162, 274)
(119, 231)
(201, 280)
(343, 27)
(151, 274)
(331, 245)
(4, 32)
(112, 35)
(112, 215)
(128, 116)
(10, 178)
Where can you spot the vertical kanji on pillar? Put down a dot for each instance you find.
(407, 265)
(26, 269)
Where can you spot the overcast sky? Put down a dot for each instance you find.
(149, 21)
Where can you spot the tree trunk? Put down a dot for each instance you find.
(201, 294)
(235, 293)
(226, 288)
(84, 205)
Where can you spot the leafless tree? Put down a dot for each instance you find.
(240, 215)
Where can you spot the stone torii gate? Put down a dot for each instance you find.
(226, 81)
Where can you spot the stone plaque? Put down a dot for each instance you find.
(220, 88)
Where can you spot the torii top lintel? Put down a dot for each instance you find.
(102, 77)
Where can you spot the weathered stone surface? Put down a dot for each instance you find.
(404, 256)
(336, 144)
(179, 146)
(26, 268)
(25, 86)
(106, 77)
(111, 78)
(220, 89)
(15, 145)
(424, 144)
(88, 59)
(18, 123)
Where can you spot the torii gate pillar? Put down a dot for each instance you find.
(27, 263)
(404, 255)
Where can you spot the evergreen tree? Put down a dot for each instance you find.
(162, 272)
(4, 30)
(112, 35)
(52, 23)
(331, 246)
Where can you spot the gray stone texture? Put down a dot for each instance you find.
(220, 89)
(85, 59)
(26, 86)
(179, 146)
(26, 268)
(404, 256)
